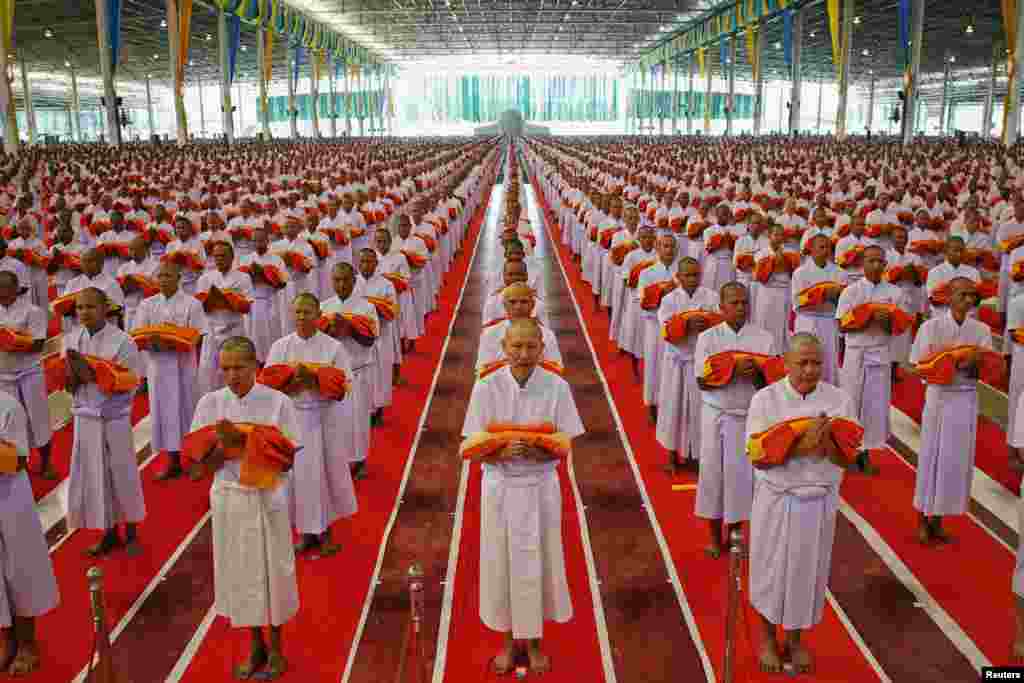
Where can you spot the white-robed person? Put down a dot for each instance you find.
(678, 426)
(866, 375)
(131, 275)
(793, 517)
(361, 345)
(322, 490)
(28, 588)
(949, 424)
(773, 277)
(941, 276)
(21, 370)
(104, 486)
(523, 580)
(520, 301)
(253, 558)
(725, 485)
(300, 262)
(819, 317)
(93, 276)
(908, 266)
(378, 291)
(172, 375)
(394, 268)
(225, 317)
(1015, 447)
(654, 282)
(264, 319)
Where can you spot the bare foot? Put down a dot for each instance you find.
(49, 474)
(6, 651)
(539, 662)
(501, 663)
(276, 666)
(257, 660)
(714, 551)
(328, 549)
(800, 657)
(26, 661)
(941, 535)
(769, 658)
(1017, 654)
(924, 534)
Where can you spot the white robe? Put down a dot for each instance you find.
(913, 299)
(28, 587)
(725, 486)
(147, 268)
(945, 465)
(652, 348)
(253, 559)
(298, 282)
(631, 326)
(104, 486)
(265, 315)
(1014, 320)
(322, 484)
(38, 280)
(866, 375)
(793, 517)
(718, 265)
(678, 427)
(773, 303)
(21, 374)
(389, 350)
(819, 320)
(943, 273)
(189, 277)
(522, 578)
(222, 325)
(171, 376)
(411, 325)
(1015, 432)
(490, 349)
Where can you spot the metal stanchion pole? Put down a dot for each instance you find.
(733, 604)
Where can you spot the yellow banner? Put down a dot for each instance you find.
(1010, 29)
(268, 55)
(833, 27)
(752, 52)
(7, 22)
(184, 34)
(700, 61)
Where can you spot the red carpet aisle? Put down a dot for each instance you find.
(838, 658)
(333, 590)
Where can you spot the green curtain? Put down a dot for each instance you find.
(359, 103)
(657, 104)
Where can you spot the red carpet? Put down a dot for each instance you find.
(703, 579)
(333, 590)
(573, 646)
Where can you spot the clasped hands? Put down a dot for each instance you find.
(816, 440)
(520, 450)
(79, 372)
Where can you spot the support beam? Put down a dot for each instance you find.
(360, 88)
(846, 51)
(759, 78)
(76, 107)
(107, 71)
(871, 101)
(690, 99)
(731, 71)
(796, 75)
(332, 88)
(943, 119)
(202, 108)
(149, 109)
(314, 93)
(348, 102)
(707, 97)
(30, 113)
(261, 52)
(70, 128)
(675, 98)
(293, 116)
(1012, 132)
(911, 98)
(11, 139)
(821, 88)
(223, 49)
(986, 116)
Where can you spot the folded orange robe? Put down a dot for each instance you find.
(386, 308)
(297, 261)
(332, 383)
(620, 250)
(774, 445)
(924, 247)
(695, 229)
(265, 456)
(766, 266)
(115, 249)
(607, 235)
(147, 285)
(336, 235)
(415, 259)
(99, 227)
(361, 325)
(850, 258)
(13, 341)
(236, 303)
(981, 258)
(500, 435)
(675, 328)
(153, 235)
(400, 283)
(175, 337)
(111, 378)
(745, 263)
(65, 305)
(793, 232)
(719, 368)
(242, 232)
(492, 367)
(1017, 335)
(30, 258)
(428, 241)
(634, 273)
(356, 231)
(185, 259)
(652, 295)
(816, 295)
(940, 367)
(894, 274)
(676, 224)
(593, 234)
(860, 317)
(321, 248)
(877, 229)
(70, 261)
(271, 274)
(1017, 271)
(1006, 246)
(8, 458)
(721, 241)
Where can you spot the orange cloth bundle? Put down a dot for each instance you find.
(1017, 335)
(185, 259)
(13, 341)
(860, 317)
(592, 235)
(174, 337)
(111, 378)
(266, 454)
(99, 227)
(400, 283)
(766, 266)
(607, 235)
(676, 224)
(851, 258)
(271, 274)
(30, 258)
(147, 285)
(116, 249)
(361, 325)
(843, 231)
(745, 263)
(500, 435)
(64, 305)
(320, 248)
(440, 224)
(654, 293)
(529, 237)
(70, 261)
(428, 241)
(453, 213)
(620, 250)
(722, 240)
(297, 261)
(8, 458)
(719, 368)
(634, 273)
(490, 368)
(774, 445)
(981, 258)
(356, 231)
(905, 216)
(793, 232)
(155, 235)
(415, 259)
(816, 295)
(741, 214)
(228, 301)
(940, 367)
(386, 308)
(662, 223)
(894, 274)
(332, 383)
(695, 229)
(924, 247)
(336, 235)
(676, 328)
(1017, 271)
(1009, 245)
(877, 229)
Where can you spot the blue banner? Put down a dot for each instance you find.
(298, 62)
(234, 39)
(723, 53)
(904, 31)
(787, 37)
(113, 8)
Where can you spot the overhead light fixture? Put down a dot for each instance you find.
(163, 23)
(778, 45)
(856, 21)
(48, 33)
(156, 56)
(67, 63)
(209, 36)
(870, 71)
(813, 34)
(866, 52)
(243, 48)
(970, 29)
(952, 59)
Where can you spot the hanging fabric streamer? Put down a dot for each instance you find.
(723, 53)
(113, 9)
(268, 55)
(234, 40)
(700, 60)
(7, 36)
(787, 38)
(903, 54)
(1010, 29)
(298, 62)
(833, 28)
(184, 14)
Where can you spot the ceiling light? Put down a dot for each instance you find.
(243, 48)
(209, 37)
(813, 34)
(970, 29)
(163, 23)
(67, 64)
(575, 3)
(48, 33)
(856, 21)
(778, 45)
(866, 52)
(952, 59)
(156, 56)
(870, 71)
